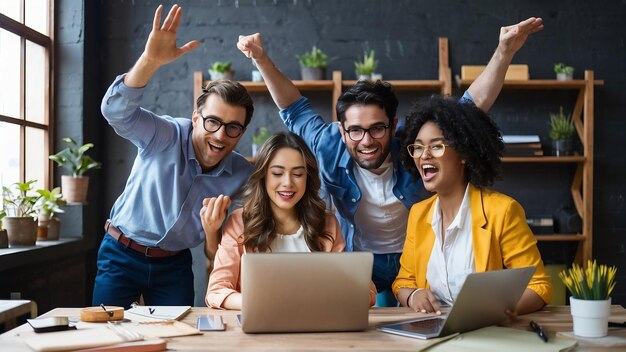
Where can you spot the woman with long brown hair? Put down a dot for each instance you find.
(283, 212)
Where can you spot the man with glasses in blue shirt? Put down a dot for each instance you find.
(360, 157)
(181, 183)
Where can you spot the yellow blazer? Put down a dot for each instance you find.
(500, 236)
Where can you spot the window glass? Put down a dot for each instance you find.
(10, 73)
(36, 159)
(9, 153)
(36, 15)
(11, 8)
(35, 89)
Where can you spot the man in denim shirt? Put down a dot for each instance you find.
(181, 183)
(359, 156)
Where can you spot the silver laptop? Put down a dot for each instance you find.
(305, 292)
(481, 302)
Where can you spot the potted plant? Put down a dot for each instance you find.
(75, 186)
(19, 206)
(221, 70)
(261, 135)
(364, 69)
(590, 301)
(313, 64)
(4, 239)
(561, 133)
(563, 73)
(49, 204)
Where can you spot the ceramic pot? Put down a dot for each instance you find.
(590, 317)
(564, 77)
(221, 75)
(563, 147)
(75, 188)
(22, 231)
(313, 74)
(4, 239)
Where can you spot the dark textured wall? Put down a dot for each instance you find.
(587, 35)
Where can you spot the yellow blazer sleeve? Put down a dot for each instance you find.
(519, 249)
(225, 277)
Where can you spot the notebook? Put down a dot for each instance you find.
(157, 312)
(305, 292)
(481, 302)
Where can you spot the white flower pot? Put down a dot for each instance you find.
(590, 317)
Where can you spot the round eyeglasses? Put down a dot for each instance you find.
(417, 150)
(211, 125)
(376, 132)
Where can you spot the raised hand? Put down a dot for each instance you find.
(213, 213)
(513, 37)
(251, 46)
(160, 48)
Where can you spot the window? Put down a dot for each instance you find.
(26, 92)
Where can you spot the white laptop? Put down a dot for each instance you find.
(481, 302)
(305, 292)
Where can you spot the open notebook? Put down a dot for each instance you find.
(157, 312)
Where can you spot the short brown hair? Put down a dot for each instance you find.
(231, 92)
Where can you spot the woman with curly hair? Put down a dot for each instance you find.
(455, 148)
(283, 212)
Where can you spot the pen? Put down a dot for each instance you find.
(539, 330)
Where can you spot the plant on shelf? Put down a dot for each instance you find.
(313, 64)
(75, 186)
(563, 73)
(48, 205)
(561, 132)
(259, 138)
(221, 70)
(18, 200)
(364, 69)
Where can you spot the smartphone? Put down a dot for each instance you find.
(211, 323)
(50, 324)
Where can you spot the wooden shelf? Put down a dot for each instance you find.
(561, 237)
(406, 85)
(544, 159)
(539, 84)
(325, 85)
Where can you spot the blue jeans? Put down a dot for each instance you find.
(386, 267)
(124, 275)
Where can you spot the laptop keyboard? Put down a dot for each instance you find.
(428, 325)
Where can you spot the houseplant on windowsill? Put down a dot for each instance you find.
(261, 135)
(590, 302)
(75, 186)
(563, 73)
(221, 70)
(313, 64)
(19, 202)
(561, 133)
(364, 69)
(48, 205)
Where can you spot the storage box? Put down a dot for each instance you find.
(514, 72)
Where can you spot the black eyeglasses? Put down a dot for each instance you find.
(211, 125)
(376, 132)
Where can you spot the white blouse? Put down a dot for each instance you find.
(290, 243)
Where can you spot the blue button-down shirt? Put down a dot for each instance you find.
(161, 202)
(336, 165)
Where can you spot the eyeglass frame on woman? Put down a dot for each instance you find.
(220, 123)
(356, 129)
(411, 149)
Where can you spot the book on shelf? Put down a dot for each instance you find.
(543, 224)
(520, 152)
(516, 139)
(522, 145)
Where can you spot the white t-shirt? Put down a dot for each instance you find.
(381, 217)
(452, 258)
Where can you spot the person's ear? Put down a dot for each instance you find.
(342, 131)
(194, 118)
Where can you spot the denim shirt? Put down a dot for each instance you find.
(161, 202)
(336, 165)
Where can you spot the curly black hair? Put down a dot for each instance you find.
(470, 131)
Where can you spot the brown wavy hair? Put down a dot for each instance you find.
(259, 224)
